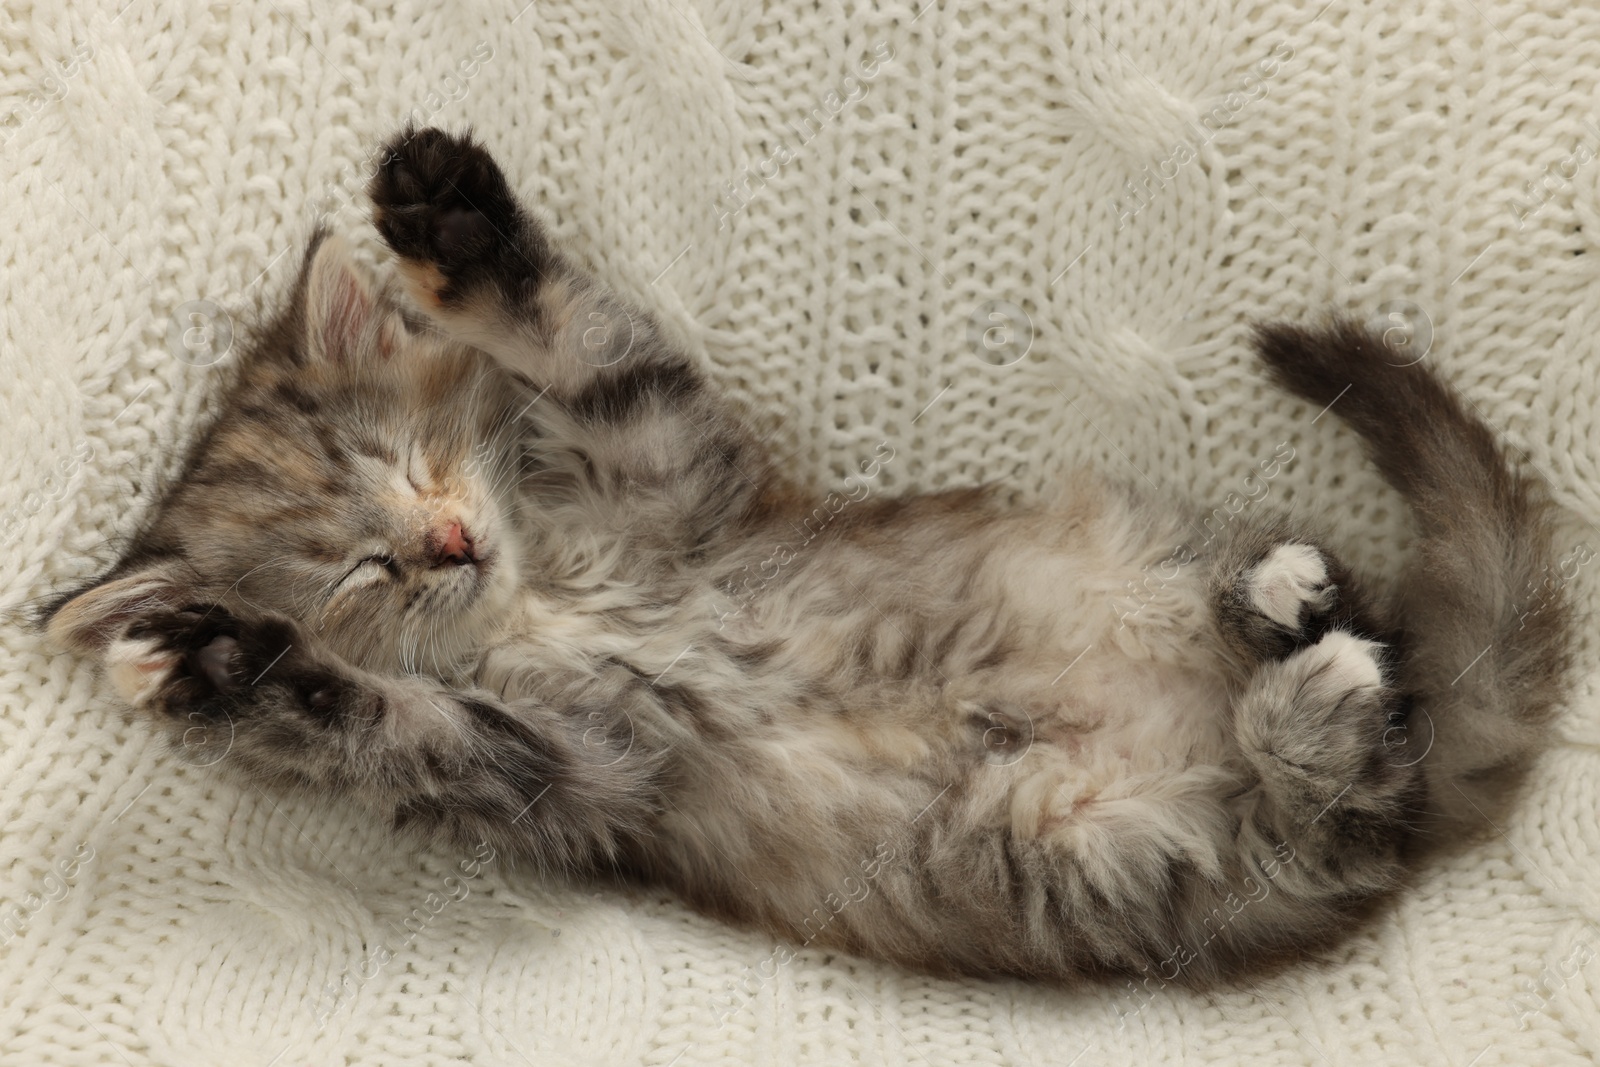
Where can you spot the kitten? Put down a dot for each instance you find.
(495, 561)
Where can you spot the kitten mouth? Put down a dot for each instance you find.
(477, 573)
(456, 550)
(454, 546)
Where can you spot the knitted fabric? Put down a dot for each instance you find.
(1004, 238)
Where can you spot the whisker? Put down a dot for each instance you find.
(234, 588)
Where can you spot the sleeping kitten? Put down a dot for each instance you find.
(496, 562)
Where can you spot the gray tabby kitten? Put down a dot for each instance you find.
(465, 559)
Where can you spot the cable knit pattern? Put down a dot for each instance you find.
(1004, 238)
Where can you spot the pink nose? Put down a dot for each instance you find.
(452, 546)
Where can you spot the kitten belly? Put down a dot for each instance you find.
(1128, 704)
(1120, 739)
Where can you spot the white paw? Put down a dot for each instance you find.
(1338, 666)
(1313, 723)
(138, 668)
(1291, 577)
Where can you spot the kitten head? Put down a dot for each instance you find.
(356, 477)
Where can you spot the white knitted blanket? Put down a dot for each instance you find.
(1003, 238)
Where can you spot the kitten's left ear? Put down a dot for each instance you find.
(88, 619)
(343, 320)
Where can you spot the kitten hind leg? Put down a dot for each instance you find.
(1275, 592)
(1323, 731)
(1190, 872)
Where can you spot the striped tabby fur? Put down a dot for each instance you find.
(495, 561)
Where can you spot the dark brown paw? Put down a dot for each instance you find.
(204, 664)
(442, 204)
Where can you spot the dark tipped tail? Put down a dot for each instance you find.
(1487, 623)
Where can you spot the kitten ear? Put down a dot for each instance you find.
(339, 304)
(89, 619)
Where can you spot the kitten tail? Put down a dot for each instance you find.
(1487, 626)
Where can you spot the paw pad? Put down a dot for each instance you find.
(442, 200)
(215, 661)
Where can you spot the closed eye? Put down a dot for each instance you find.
(371, 568)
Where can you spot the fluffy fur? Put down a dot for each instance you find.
(497, 562)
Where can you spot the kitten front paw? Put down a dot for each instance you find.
(444, 207)
(177, 658)
(203, 666)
